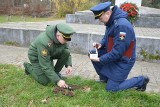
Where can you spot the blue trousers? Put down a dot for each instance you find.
(116, 85)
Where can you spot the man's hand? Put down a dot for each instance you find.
(96, 45)
(95, 59)
(68, 70)
(61, 83)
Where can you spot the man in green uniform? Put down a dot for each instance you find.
(49, 45)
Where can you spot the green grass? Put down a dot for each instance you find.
(19, 90)
(3, 19)
(10, 43)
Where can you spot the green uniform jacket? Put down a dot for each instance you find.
(43, 50)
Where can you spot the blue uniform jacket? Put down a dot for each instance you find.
(120, 58)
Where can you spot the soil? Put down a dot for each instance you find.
(67, 91)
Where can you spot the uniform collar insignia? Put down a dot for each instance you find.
(50, 43)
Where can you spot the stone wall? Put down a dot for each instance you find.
(81, 42)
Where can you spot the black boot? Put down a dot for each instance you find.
(25, 67)
(98, 80)
(143, 87)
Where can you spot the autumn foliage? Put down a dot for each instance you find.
(64, 7)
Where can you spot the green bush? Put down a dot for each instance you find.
(150, 56)
(11, 43)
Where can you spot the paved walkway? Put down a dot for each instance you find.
(83, 67)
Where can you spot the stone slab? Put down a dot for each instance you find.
(148, 17)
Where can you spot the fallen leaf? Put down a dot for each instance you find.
(86, 89)
(45, 100)
(30, 103)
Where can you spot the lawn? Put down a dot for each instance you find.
(19, 90)
(3, 19)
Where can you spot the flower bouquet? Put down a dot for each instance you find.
(131, 9)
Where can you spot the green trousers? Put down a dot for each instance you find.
(34, 68)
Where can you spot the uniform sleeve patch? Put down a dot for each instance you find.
(44, 52)
(122, 35)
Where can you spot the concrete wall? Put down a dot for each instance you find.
(81, 19)
(146, 18)
(81, 42)
(21, 36)
(149, 44)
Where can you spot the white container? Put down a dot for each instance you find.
(93, 54)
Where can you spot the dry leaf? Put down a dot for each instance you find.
(30, 103)
(45, 100)
(86, 89)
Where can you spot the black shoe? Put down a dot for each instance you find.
(26, 72)
(143, 87)
(98, 80)
(25, 66)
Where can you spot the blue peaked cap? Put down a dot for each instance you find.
(100, 8)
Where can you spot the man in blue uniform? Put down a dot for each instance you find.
(117, 50)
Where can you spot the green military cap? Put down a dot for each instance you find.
(66, 30)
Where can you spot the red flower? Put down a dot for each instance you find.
(131, 9)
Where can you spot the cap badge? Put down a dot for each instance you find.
(65, 36)
(50, 43)
(99, 14)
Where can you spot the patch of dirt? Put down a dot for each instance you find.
(69, 91)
